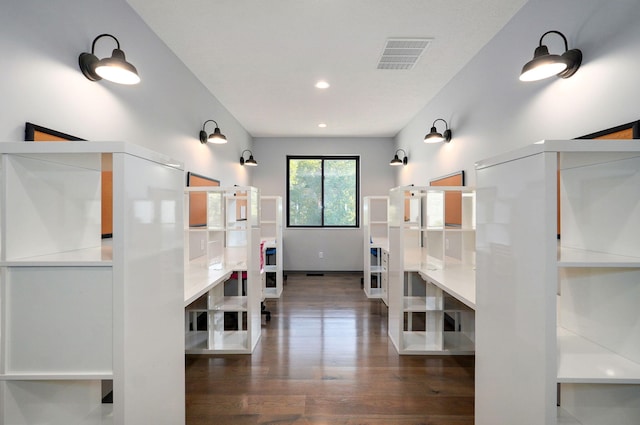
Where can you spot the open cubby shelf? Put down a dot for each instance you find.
(558, 286)
(222, 291)
(431, 270)
(72, 301)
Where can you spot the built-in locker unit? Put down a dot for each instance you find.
(77, 311)
(271, 239)
(432, 271)
(223, 288)
(558, 299)
(376, 247)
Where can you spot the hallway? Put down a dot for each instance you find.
(325, 359)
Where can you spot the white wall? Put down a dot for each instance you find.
(40, 42)
(491, 111)
(342, 248)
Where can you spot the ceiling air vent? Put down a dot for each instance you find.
(402, 53)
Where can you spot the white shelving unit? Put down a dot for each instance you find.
(559, 311)
(431, 271)
(222, 278)
(376, 246)
(271, 236)
(76, 310)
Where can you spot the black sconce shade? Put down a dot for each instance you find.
(116, 68)
(250, 162)
(544, 64)
(434, 137)
(397, 161)
(216, 137)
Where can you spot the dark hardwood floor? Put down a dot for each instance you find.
(325, 359)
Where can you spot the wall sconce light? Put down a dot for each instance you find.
(435, 137)
(115, 68)
(216, 137)
(250, 162)
(544, 65)
(397, 161)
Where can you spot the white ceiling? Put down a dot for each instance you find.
(261, 58)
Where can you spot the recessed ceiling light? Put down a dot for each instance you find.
(322, 125)
(322, 84)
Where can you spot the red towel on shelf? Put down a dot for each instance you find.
(234, 275)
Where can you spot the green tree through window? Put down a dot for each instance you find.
(322, 191)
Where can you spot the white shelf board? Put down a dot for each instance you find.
(271, 269)
(580, 145)
(377, 269)
(571, 257)
(79, 147)
(417, 259)
(412, 266)
(196, 340)
(421, 341)
(232, 342)
(458, 280)
(238, 266)
(458, 342)
(198, 279)
(214, 228)
(376, 293)
(379, 242)
(414, 304)
(564, 418)
(459, 229)
(270, 292)
(230, 304)
(410, 225)
(437, 343)
(105, 413)
(197, 309)
(98, 256)
(80, 376)
(425, 303)
(200, 229)
(582, 361)
(452, 304)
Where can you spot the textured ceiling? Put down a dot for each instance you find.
(261, 58)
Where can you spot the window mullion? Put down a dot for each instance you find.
(322, 192)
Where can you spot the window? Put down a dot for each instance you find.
(323, 191)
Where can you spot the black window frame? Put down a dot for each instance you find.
(355, 158)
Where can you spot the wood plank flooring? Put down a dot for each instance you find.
(325, 359)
